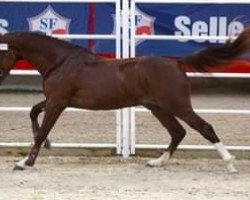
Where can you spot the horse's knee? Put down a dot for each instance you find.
(182, 131)
(33, 113)
(36, 110)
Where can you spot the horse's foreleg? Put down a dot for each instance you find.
(52, 112)
(207, 131)
(35, 111)
(176, 131)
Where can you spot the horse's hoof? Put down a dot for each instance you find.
(235, 171)
(232, 169)
(159, 162)
(149, 165)
(18, 168)
(154, 163)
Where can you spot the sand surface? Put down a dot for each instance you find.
(113, 178)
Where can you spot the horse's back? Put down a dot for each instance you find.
(161, 71)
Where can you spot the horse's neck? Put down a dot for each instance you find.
(41, 62)
(31, 50)
(41, 59)
(46, 57)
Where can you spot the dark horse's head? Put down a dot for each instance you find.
(7, 59)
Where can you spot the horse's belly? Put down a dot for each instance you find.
(102, 100)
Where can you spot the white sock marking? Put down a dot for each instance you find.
(224, 153)
(162, 160)
(21, 163)
(226, 156)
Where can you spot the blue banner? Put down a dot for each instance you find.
(57, 18)
(167, 19)
(176, 19)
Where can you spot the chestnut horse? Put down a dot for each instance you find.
(73, 76)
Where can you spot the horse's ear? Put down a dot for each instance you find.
(9, 59)
(1, 37)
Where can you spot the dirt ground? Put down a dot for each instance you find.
(113, 178)
(57, 178)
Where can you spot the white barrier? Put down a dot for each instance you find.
(107, 145)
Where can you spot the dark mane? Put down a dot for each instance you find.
(41, 38)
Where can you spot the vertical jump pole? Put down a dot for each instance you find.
(126, 112)
(132, 55)
(118, 55)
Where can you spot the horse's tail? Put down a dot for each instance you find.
(215, 56)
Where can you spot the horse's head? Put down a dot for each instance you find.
(7, 60)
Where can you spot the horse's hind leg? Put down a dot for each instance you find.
(176, 131)
(35, 111)
(207, 131)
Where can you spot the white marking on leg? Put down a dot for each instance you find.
(224, 153)
(162, 160)
(22, 162)
(226, 156)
